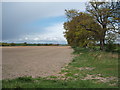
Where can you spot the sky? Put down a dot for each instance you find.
(44, 0)
(36, 22)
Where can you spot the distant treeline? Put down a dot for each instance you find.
(29, 44)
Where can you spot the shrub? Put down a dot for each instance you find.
(110, 47)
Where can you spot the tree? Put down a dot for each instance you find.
(25, 44)
(76, 34)
(104, 13)
(12, 44)
(101, 19)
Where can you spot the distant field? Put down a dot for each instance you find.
(34, 61)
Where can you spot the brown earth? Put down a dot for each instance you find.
(35, 61)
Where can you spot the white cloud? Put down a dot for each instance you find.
(26, 38)
(54, 34)
(36, 39)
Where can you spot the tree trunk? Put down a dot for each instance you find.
(102, 38)
(102, 44)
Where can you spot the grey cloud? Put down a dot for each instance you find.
(0, 21)
(14, 15)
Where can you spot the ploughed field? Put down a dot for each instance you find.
(35, 61)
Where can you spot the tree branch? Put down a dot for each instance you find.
(89, 29)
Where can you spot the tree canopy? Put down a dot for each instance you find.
(85, 29)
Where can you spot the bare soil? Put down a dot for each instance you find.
(35, 61)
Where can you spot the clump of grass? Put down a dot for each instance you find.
(25, 79)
